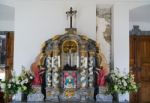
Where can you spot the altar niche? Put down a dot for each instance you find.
(70, 54)
(70, 61)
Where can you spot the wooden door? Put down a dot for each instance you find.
(9, 57)
(9, 53)
(140, 66)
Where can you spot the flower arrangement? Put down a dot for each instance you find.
(120, 83)
(10, 87)
(20, 83)
(24, 81)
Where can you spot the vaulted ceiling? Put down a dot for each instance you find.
(7, 12)
(140, 14)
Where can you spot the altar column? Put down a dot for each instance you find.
(83, 69)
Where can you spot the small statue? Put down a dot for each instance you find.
(36, 70)
(37, 83)
(101, 76)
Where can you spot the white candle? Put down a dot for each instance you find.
(68, 59)
(85, 62)
(58, 61)
(71, 59)
(52, 61)
(77, 61)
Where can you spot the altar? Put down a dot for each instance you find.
(71, 63)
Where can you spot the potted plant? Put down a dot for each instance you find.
(20, 83)
(120, 83)
(24, 81)
(10, 87)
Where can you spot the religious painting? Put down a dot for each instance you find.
(2, 50)
(103, 33)
(2, 55)
(70, 79)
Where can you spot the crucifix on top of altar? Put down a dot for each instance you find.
(70, 14)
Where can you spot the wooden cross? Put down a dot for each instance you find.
(71, 13)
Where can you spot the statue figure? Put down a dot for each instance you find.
(101, 76)
(36, 70)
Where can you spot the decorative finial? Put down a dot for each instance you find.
(70, 14)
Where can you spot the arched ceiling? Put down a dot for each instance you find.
(140, 14)
(7, 12)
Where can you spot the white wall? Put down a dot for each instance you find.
(144, 26)
(6, 25)
(121, 36)
(37, 21)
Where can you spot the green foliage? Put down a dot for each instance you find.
(20, 83)
(10, 88)
(120, 83)
(24, 81)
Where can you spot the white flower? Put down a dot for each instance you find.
(125, 77)
(123, 81)
(119, 81)
(120, 74)
(115, 87)
(22, 82)
(26, 80)
(125, 84)
(13, 80)
(31, 77)
(2, 85)
(17, 82)
(9, 85)
(24, 88)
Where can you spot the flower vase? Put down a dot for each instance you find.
(24, 97)
(115, 98)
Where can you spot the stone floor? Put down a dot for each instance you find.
(60, 102)
(65, 102)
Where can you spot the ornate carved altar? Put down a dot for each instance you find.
(70, 61)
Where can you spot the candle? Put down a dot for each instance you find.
(68, 59)
(77, 61)
(58, 61)
(85, 62)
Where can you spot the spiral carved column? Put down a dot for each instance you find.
(83, 69)
(49, 69)
(55, 71)
(90, 68)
